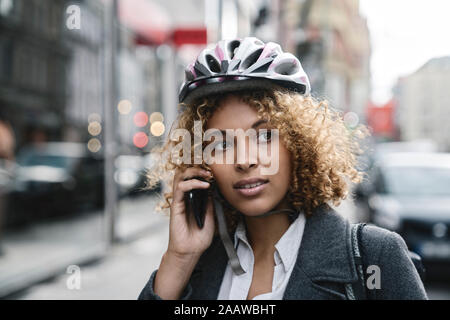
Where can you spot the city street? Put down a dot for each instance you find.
(92, 92)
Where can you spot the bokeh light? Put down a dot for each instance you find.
(156, 116)
(157, 129)
(140, 119)
(94, 145)
(351, 120)
(94, 128)
(124, 107)
(140, 139)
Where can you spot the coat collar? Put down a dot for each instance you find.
(324, 262)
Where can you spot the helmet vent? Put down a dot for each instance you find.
(213, 64)
(232, 47)
(261, 66)
(251, 59)
(287, 69)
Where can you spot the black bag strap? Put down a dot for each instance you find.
(357, 290)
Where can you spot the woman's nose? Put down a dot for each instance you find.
(245, 166)
(246, 157)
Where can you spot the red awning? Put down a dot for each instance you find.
(150, 21)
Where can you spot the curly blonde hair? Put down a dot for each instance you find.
(324, 150)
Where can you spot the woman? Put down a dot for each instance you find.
(244, 85)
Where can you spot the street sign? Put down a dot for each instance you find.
(183, 36)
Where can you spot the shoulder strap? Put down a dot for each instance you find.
(357, 290)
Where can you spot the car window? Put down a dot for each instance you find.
(412, 181)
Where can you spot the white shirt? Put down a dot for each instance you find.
(236, 287)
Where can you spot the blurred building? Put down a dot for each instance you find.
(51, 89)
(43, 67)
(32, 90)
(332, 40)
(423, 100)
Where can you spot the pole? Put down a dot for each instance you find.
(110, 114)
(220, 20)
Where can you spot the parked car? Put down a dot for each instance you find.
(127, 173)
(54, 179)
(410, 193)
(7, 171)
(420, 145)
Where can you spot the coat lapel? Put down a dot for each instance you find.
(207, 276)
(325, 262)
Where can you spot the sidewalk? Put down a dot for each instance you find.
(121, 274)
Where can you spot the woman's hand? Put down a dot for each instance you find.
(185, 237)
(186, 240)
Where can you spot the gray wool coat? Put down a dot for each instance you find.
(324, 264)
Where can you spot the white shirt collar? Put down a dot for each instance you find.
(286, 248)
(288, 245)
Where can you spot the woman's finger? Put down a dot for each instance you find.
(190, 173)
(185, 186)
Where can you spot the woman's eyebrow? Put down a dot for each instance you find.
(256, 124)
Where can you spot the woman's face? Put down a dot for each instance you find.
(244, 185)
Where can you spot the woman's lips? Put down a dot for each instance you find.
(251, 189)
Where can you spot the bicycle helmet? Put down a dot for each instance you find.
(242, 64)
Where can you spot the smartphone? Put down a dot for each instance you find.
(196, 201)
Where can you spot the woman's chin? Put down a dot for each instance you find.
(254, 211)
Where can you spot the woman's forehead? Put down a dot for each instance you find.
(233, 114)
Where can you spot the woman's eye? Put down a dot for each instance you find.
(264, 136)
(224, 145)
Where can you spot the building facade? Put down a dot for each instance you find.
(332, 40)
(51, 83)
(44, 67)
(423, 100)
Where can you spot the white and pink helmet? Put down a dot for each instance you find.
(240, 64)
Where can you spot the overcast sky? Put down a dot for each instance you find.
(405, 34)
